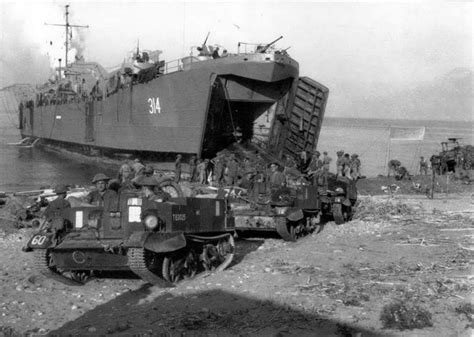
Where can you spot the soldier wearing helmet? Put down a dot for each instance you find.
(59, 204)
(326, 160)
(340, 163)
(102, 196)
(150, 190)
(315, 165)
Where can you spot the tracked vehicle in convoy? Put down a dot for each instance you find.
(161, 242)
(295, 211)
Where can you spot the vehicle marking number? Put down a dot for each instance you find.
(38, 240)
(179, 217)
(155, 107)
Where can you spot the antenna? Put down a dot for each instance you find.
(68, 26)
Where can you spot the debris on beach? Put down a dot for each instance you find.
(405, 316)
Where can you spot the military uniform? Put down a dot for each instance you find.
(55, 208)
(53, 214)
(107, 199)
(277, 178)
(219, 167)
(393, 166)
(340, 163)
(231, 171)
(355, 166)
(423, 166)
(192, 169)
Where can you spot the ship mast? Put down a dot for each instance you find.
(68, 27)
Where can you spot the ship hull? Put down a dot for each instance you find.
(191, 111)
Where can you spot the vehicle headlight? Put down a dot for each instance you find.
(339, 190)
(151, 221)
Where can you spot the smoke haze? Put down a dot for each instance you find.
(379, 59)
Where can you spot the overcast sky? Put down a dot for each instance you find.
(346, 46)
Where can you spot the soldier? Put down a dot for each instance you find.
(192, 168)
(177, 168)
(340, 163)
(423, 166)
(124, 180)
(102, 196)
(347, 165)
(53, 214)
(355, 166)
(326, 160)
(247, 180)
(315, 165)
(149, 189)
(138, 167)
(277, 178)
(219, 167)
(201, 171)
(231, 170)
(393, 166)
(260, 167)
(59, 204)
(290, 166)
(402, 173)
(320, 179)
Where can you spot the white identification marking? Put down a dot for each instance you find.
(38, 240)
(155, 107)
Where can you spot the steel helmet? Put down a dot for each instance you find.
(60, 189)
(99, 177)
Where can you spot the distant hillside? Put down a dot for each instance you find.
(10, 98)
(448, 97)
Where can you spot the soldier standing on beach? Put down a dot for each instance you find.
(219, 167)
(192, 169)
(315, 165)
(355, 166)
(326, 160)
(231, 171)
(340, 163)
(423, 166)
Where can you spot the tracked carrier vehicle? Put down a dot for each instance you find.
(294, 211)
(161, 242)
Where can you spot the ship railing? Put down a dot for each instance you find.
(183, 63)
(173, 66)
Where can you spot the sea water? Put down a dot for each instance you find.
(370, 139)
(31, 168)
(24, 169)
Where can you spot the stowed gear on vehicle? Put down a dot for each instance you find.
(161, 242)
(295, 211)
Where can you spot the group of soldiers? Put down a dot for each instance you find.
(226, 169)
(134, 177)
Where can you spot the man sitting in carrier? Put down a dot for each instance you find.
(53, 214)
(102, 196)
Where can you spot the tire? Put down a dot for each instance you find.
(172, 188)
